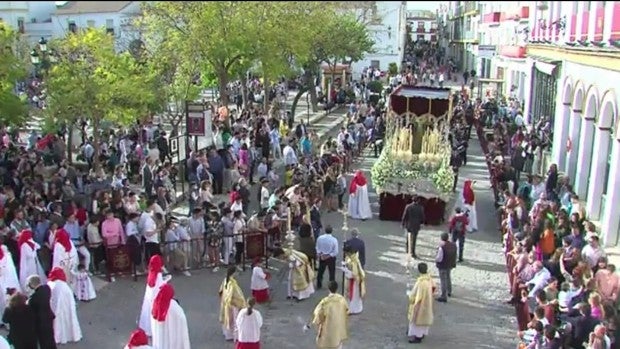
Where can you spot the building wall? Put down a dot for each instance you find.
(387, 36)
(35, 16)
(586, 143)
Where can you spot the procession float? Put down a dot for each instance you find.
(415, 160)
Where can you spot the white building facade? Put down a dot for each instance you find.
(423, 25)
(37, 19)
(578, 39)
(33, 19)
(504, 29)
(389, 33)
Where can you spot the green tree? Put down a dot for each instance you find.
(342, 38)
(13, 109)
(175, 80)
(219, 33)
(92, 81)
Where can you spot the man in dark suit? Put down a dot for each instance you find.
(413, 218)
(315, 219)
(582, 326)
(357, 245)
(39, 301)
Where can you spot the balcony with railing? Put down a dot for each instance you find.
(470, 8)
(520, 14)
(492, 18)
(512, 51)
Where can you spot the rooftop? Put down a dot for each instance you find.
(78, 7)
(410, 91)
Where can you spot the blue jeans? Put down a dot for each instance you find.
(461, 242)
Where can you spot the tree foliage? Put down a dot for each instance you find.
(13, 109)
(92, 81)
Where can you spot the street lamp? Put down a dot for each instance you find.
(34, 57)
(43, 45)
(308, 108)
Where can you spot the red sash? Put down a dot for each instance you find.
(351, 286)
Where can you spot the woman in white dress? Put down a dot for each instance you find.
(469, 205)
(66, 324)
(154, 281)
(356, 276)
(65, 255)
(359, 204)
(28, 259)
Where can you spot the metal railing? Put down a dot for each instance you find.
(196, 253)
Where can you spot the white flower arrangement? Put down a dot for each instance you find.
(390, 168)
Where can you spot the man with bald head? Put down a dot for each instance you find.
(539, 280)
(39, 302)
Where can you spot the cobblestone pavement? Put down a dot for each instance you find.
(474, 318)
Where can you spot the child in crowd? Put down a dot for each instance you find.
(258, 283)
(83, 286)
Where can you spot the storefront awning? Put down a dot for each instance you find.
(545, 65)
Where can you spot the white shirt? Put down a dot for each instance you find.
(592, 255)
(236, 206)
(327, 244)
(290, 158)
(264, 197)
(238, 226)
(248, 326)
(131, 229)
(539, 281)
(147, 225)
(258, 281)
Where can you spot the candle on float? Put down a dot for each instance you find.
(409, 245)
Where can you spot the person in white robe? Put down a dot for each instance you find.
(8, 273)
(359, 204)
(4, 344)
(154, 280)
(66, 324)
(356, 277)
(8, 276)
(468, 199)
(28, 259)
(138, 340)
(168, 321)
(65, 255)
(249, 322)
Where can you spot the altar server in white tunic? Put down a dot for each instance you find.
(28, 260)
(154, 280)
(359, 204)
(356, 285)
(66, 325)
(138, 340)
(469, 205)
(168, 321)
(249, 321)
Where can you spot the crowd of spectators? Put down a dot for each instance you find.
(564, 290)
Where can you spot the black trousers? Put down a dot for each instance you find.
(414, 241)
(151, 249)
(330, 264)
(238, 252)
(218, 182)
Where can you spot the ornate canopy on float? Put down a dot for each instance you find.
(417, 101)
